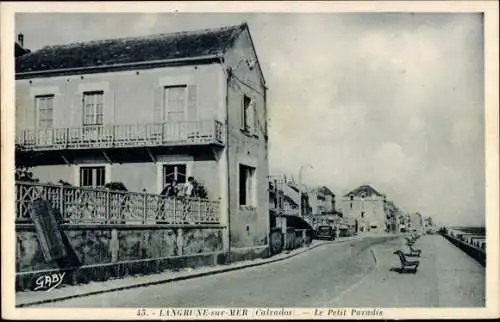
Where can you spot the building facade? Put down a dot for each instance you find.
(321, 200)
(145, 111)
(367, 207)
(415, 220)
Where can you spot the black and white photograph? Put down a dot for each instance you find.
(268, 164)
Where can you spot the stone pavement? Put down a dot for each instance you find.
(68, 292)
(446, 277)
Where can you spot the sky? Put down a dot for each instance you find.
(393, 100)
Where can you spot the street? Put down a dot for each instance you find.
(354, 273)
(310, 279)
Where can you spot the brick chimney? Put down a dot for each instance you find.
(20, 39)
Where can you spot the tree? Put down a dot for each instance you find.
(199, 190)
(23, 172)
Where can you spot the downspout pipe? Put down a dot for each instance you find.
(227, 73)
(267, 160)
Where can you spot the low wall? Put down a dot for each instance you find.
(477, 253)
(101, 252)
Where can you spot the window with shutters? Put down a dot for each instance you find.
(93, 108)
(45, 111)
(175, 103)
(255, 125)
(247, 185)
(92, 176)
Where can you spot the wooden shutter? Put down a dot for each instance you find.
(192, 103)
(108, 108)
(77, 109)
(158, 115)
(255, 125)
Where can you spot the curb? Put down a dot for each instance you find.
(179, 278)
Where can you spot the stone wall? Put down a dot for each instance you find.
(103, 252)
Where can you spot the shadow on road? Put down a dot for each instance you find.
(403, 270)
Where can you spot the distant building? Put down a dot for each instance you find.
(391, 216)
(322, 200)
(367, 207)
(415, 221)
(19, 49)
(284, 197)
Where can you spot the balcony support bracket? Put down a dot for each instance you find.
(106, 156)
(65, 159)
(148, 150)
(216, 152)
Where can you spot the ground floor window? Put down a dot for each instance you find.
(92, 176)
(177, 172)
(247, 185)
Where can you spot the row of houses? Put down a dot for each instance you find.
(363, 209)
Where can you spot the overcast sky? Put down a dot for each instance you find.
(391, 100)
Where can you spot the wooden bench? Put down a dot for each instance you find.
(405, 263)
(410, 241)
(414, 252)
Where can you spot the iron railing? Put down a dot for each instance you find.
(82, 205)
(115, 136)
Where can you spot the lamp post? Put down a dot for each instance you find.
(300, 186)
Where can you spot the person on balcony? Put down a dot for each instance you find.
(187, 194)
(170, 191)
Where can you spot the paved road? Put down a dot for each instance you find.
(334, 275)
(446, 277)
(311, 279)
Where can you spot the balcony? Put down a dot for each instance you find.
(82, 205)
(205, 132)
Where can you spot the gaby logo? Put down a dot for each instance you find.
(49, 282)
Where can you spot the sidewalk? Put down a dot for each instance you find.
(446, 277)
(67, 292)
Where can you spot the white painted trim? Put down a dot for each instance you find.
(176, 80)
(159, 171)
(92, 86)
(44, 90)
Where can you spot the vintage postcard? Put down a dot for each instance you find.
(239, 160)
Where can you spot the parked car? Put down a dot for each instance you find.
(325, 232)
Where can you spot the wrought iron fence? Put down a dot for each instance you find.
(82, 205)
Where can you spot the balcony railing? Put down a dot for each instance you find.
(115, 136)
(81, 205)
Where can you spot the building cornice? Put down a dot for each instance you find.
(209, 59)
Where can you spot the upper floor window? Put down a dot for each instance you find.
(45, 111)
(93, 112)
(176, 103)
(247, 114)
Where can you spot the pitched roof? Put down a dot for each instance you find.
(326, 191)
(366, 189)
(20, 50)
(178, 45)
